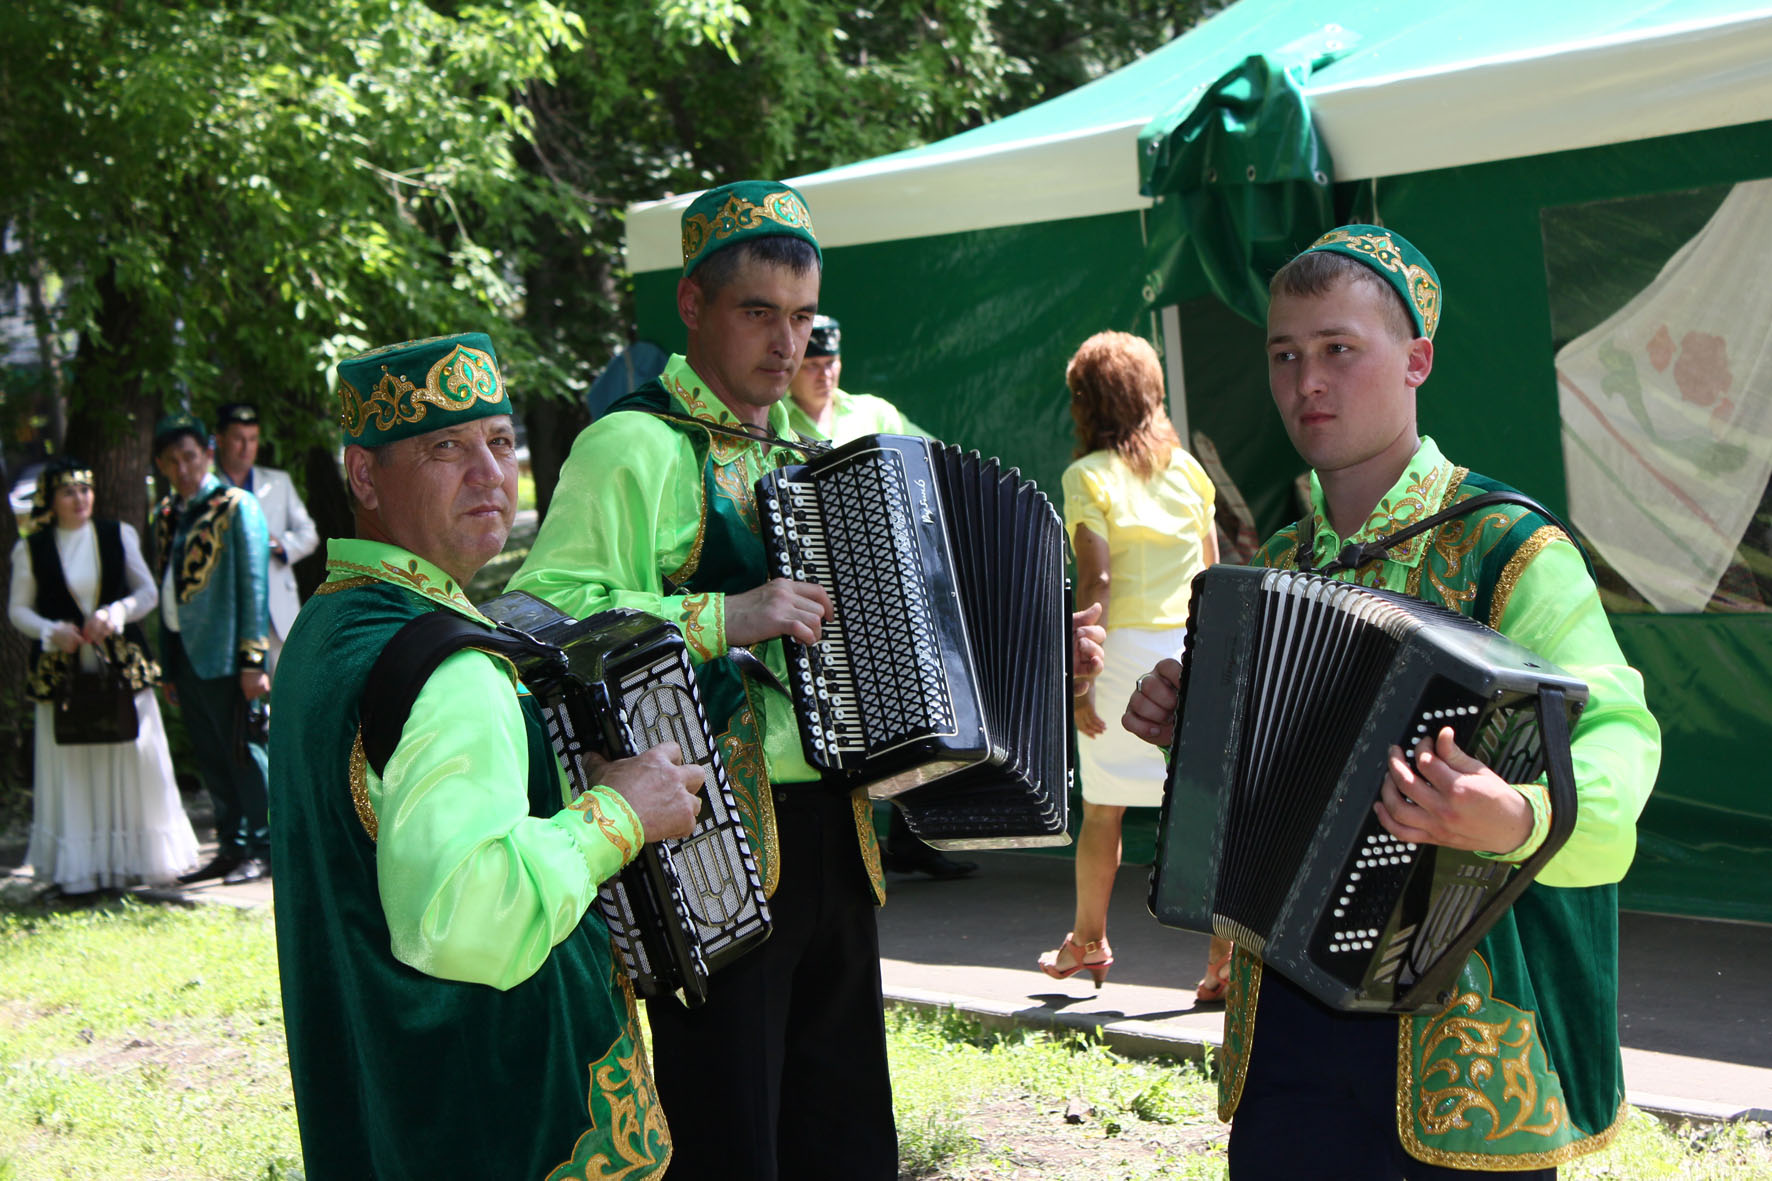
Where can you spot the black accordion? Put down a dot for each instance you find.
(1294, 687)
(682, 908)
(943, 682)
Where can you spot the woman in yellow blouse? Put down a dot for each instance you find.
(1139, 511)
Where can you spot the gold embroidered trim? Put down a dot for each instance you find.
(621, 1087)
(1420, 286)
(1240, 1001)
(1484, 1042)
(870, 843)
(345, 584)
(592, 807)
(738, 215)
(410, 577)
(461, 378)
(203, 544)
(360, 787)
(1516, 566)
(765, 797)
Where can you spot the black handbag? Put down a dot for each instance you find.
(96, 707)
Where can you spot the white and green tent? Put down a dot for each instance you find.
(1580, 172)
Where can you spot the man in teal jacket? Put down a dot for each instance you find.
(212, 554)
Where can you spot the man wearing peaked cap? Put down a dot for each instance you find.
(210, 556)
(452, 1002)
(1521, 1071)
(782, 1073)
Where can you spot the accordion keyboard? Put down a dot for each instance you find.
(824, 672)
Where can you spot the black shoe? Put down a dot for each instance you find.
(929, 860)
(250, 870)
(223, 865)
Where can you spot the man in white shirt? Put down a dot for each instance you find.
(293, 535)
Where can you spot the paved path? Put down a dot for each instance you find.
(1697, 1031)
(1696, 1026)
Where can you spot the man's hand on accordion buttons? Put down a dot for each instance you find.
(1151, 712)
(780, 607)
(1451, 799)
(662, 791)
(1087, 658)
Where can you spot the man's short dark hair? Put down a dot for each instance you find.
(1317, 273)
(169, 438)
(717, 271)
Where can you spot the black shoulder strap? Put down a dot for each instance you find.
(1357, 554)
(413, 654)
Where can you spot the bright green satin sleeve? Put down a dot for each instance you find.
(475, 888)
(1555, 611)
(626, 513)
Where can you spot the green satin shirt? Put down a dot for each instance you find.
(474, 888)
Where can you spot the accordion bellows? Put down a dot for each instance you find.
(682, 908)
(943, 682)
(1294, 687)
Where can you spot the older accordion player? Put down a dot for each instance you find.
(1294, 687)
(942, 683)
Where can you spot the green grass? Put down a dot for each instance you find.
(141, 1041)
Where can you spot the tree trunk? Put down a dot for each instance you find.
(16, 713)
(112, 411)
(552, 424)
(48, 355)
(329, 503)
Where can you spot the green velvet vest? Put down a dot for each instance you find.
(1522, 1069)
(398, 1074)
(730, 561)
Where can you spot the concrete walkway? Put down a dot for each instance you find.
(1696, 1025)
(1697, 1029)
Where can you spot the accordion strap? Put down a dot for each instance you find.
(804, 445)
(413, 654)
(1357, 553)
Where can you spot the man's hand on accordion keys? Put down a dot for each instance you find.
(780, 607)
(663, 792)
(1449, 798)
(1151, 712)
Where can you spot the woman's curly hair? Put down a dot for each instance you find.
(1116, 387)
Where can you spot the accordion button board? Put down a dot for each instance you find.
(1294, 688)
(943, 681)
(682, 909)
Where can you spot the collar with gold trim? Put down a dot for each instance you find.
(349, 557)
(699, 402)
(1417, 492)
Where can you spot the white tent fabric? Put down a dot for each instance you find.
(1667, 411)
(1691, 75)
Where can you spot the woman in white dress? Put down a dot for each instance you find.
(1140, 513)
(104, 815)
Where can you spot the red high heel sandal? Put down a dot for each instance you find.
(1095, 955)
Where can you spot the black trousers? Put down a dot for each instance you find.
(782, 1074)
(234, 772)
(1320, 1098)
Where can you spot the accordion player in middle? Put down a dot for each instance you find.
(943, 682)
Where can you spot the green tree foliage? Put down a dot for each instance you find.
(230, 196)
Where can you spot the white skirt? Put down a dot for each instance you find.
(108, 814)
(1117, 767)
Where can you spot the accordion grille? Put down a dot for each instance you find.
(719, 878)
(900, 687)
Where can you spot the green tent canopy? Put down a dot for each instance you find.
(1550, 159)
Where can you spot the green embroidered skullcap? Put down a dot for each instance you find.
(740, 211)
(174, 426)
(1397, 262)
(419, 386)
